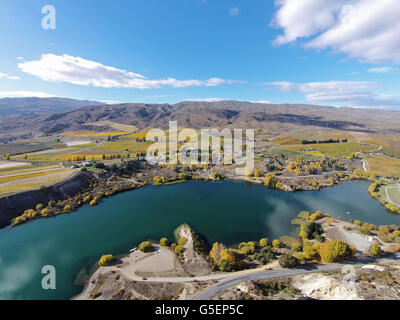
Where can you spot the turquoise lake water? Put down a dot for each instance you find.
(228, 212)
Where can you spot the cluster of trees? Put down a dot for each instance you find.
(40, 211)
(77, 200)
(373, 191)
(374, 188)
(323, 141)
(93, 157)
(307, 249)
(390, 234)
(365, 228)
(247, 248)
(265, 255)
(217, 176)
(28, 215)
(392, 207)
(272, 182)
(224, 259)
(300, 166)
(326, 252)
(233, 259)
(179, 248)
(366, 175)
(333, 251)
(159, 180)
(309, 229)
(313, 183)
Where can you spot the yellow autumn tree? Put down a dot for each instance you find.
(335, 250)
(215, 252)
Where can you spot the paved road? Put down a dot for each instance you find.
(360, 242)
(224, 285)
(364, 164)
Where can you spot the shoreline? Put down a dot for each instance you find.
(137, 185)
(218, 279)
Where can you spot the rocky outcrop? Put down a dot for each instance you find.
(194, 255)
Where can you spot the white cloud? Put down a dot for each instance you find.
(346, 93)
(263, 101)
(77, 70)
(20, 58)
(364, 29)
(6, 76)
(207, 99)
(234, 12)
(22, 94)
(110, 101)
(381, 70)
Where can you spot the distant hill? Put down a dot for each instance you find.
(271, 118)
(18, 106)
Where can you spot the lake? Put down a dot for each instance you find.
(228, 212)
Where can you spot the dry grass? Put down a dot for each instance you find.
(25, 169)
(35, 183)
(114, 125)
(143, 134)
(394, 193)
(55, 155)
(384, 166)
(315, 153)
(89, 134)
(390, 144)
(333, 149)
(113, 147)
(24, 176)
(286, 140)
(297, 137)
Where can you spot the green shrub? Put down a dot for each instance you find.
(374, 250)
(296, 246)
(288, 261)
(225, 266)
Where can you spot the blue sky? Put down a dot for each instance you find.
(344, 53)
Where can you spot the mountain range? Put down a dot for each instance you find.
(271, 118)
(33, 105)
